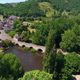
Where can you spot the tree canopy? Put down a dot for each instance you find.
(10, 67)
(71, 39)
(36, 75)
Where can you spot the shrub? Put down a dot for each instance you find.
(36, 75)
(12, 33)
(10, 67)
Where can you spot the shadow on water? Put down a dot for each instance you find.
(29, 61)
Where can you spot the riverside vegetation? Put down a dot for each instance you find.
(51, 23)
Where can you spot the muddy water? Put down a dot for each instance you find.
(29, 61)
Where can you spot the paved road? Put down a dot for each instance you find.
(4, 36)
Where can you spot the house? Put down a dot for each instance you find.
(8, 23)
(27, 23)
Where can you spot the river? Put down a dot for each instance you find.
(28, 60)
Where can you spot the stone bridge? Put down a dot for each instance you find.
(4, 36)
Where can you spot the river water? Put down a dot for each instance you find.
(28, 60)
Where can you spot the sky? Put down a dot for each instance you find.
(10, 1)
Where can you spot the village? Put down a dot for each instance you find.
(7, 24)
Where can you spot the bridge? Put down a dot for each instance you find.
(4, 36)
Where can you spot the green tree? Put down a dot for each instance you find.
(41, 34)
(53, 62)
(25, 35)
(72, 63)
(10, 67)
(36, 75)
(71, 39)
(71, 66)
(48, 60)
(60, 25)
(12, 33)
(59, 65)
(7, 43)
(50, 43)
(17, 24)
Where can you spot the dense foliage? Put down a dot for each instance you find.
(36, 75)
(72, 61)
(71, 40)
(6, 43)
(71, 66)
(31, 8)
(21, 9)
(40, 36)
(10, 68)
(53, 61)
(21, 30)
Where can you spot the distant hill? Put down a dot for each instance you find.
(5, 9)
(37, 8)
(28, 8)
(69, 5)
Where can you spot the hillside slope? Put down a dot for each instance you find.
(39, 8)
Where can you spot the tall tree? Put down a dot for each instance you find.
(71, 40)
(49, 54)
(59, 65)
(53, 61)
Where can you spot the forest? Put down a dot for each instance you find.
(30, 8)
